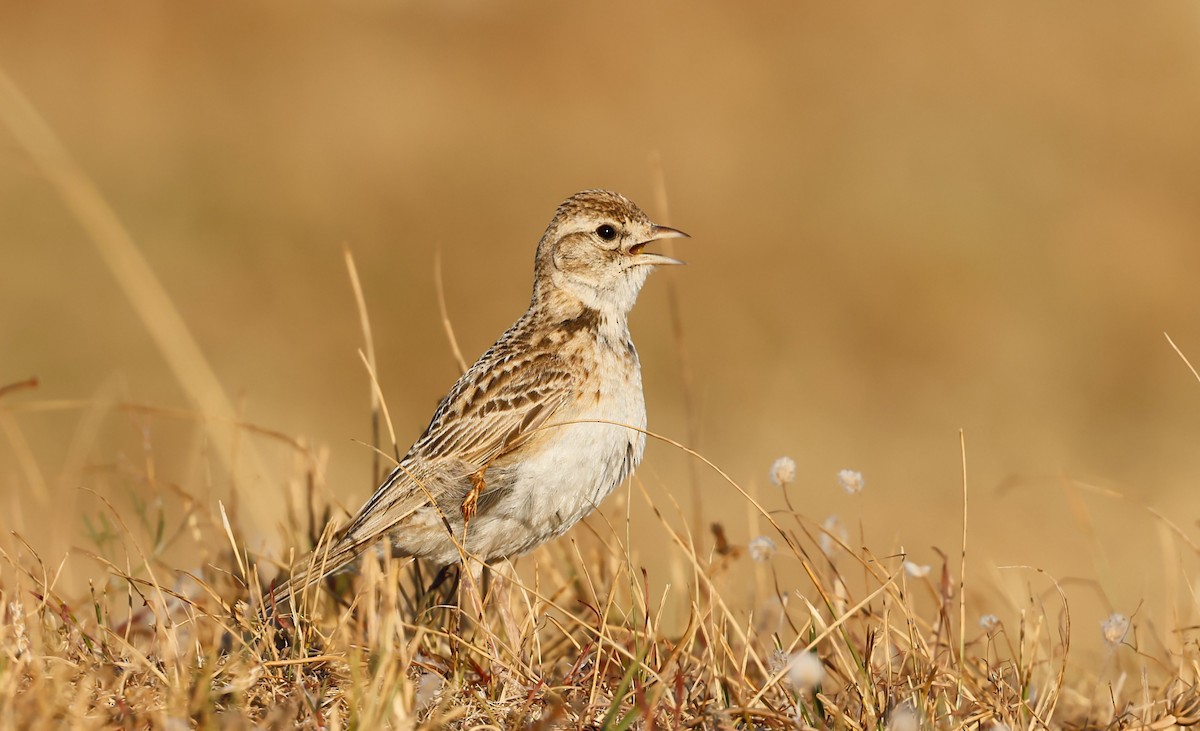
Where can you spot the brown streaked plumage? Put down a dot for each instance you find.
(515, 454)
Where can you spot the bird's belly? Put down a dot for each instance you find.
(556, 486)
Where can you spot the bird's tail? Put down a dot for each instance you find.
(281, 599)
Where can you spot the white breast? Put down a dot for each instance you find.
(559, 485)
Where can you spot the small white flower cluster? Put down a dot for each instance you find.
(851, 481)
(805, 671)
(917, 571)
(762, 549)
(1115, 628)
(989, 622)
(783, 471)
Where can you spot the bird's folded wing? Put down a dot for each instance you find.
(494, 409)
(499, 409)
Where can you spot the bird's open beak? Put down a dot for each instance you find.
(641, 257)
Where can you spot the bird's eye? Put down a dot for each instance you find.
(606, 232)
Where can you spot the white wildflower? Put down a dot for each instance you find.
(805, 671)
(1115, 628)
(783, 471)
(989, 622)
(762, 549)
(832, 531)
(851, 481)
(917, 571)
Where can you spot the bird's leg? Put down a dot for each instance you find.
(471, 590)
(470, 504)
(471, 600)
(443, 575)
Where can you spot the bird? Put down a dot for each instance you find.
(545, 424)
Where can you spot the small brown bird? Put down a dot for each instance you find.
(545, 424)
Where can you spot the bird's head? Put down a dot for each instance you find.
(595, 250)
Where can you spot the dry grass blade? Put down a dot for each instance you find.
(136, 279)
(364, 321)
(440, 287)
(378, 391)
(1182, 357)
(962, 568)
(237, 554)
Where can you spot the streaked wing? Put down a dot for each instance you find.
(499, 409)
(496, 407)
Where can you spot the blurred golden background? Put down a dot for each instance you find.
(906, 220)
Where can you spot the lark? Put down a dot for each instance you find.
(542, 427)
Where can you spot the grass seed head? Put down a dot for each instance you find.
(917, 571)
(762, 548)
(783, 471)
(851, 481)
(1114, 628)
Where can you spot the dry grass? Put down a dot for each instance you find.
(573, 637)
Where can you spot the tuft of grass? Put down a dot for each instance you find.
(578, 635)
